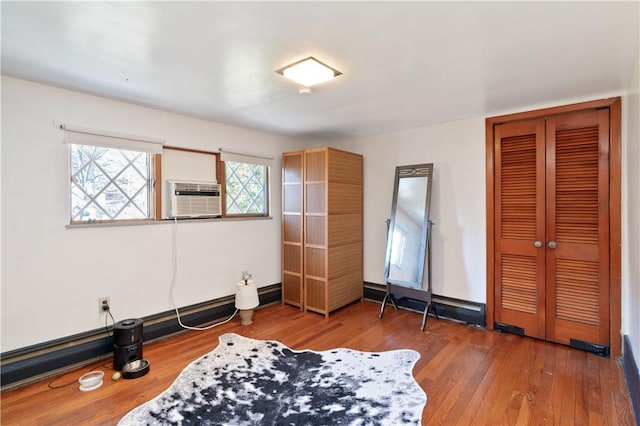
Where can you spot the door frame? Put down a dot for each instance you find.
(614, 105)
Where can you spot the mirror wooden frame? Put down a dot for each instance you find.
(413, 286)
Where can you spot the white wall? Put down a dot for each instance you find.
(52, 276)
(631, 214)
(457, 202)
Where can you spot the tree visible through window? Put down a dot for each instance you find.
(246, 188)
(109, 184)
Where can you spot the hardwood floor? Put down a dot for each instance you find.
(471, 376)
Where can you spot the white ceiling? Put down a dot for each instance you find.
(405, 64)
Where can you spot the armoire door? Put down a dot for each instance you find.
(551, 222)
(292, 228)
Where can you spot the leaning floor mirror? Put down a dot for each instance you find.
(408, 252)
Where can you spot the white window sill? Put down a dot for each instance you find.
(162, 222)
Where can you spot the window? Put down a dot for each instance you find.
(111, 175)
(246, 183)
(246, 188)
(109, 184)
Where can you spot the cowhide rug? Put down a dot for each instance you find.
(252, 382)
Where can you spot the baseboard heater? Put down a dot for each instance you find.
(36, 362)
(471, 313)
(633, 376)
(25, 365)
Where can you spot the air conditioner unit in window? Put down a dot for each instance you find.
(193, 199)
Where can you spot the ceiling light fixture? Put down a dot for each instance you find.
(309, 72)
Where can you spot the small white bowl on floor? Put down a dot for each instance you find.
(91, 381)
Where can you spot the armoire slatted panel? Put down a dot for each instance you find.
(341, 192)
(345, 167)
(315, 230)
(292, 198)
(292, 168)
(292, 225)
(518, 187)
(291, 289)
(291, 259)
(292, 255)
(315, 166)
(315, 262)
(345, 229)
(315, 199)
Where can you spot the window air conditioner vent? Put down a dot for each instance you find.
(193, 199)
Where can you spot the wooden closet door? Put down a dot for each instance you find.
(577, 249)
(552, 227)
(520, 226)
(579, 264)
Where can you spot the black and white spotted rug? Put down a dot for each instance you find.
(253, 382)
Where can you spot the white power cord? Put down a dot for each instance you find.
(174, 269)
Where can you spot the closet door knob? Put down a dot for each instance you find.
(552, 244)
(537, 244)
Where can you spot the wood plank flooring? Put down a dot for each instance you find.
(471, 376)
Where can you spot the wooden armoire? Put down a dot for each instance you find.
(553, 224)
(322, 229)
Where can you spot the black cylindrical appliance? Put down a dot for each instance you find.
(127, 342)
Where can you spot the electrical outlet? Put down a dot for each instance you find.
(104, 304)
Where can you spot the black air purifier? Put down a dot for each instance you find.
(127, 342)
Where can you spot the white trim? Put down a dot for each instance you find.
(240, 157)
(93, 137)
(144, 222)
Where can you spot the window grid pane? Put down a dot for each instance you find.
(246, 188)
(109, 184)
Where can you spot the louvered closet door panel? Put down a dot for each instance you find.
(578, 221)
(519, 219)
